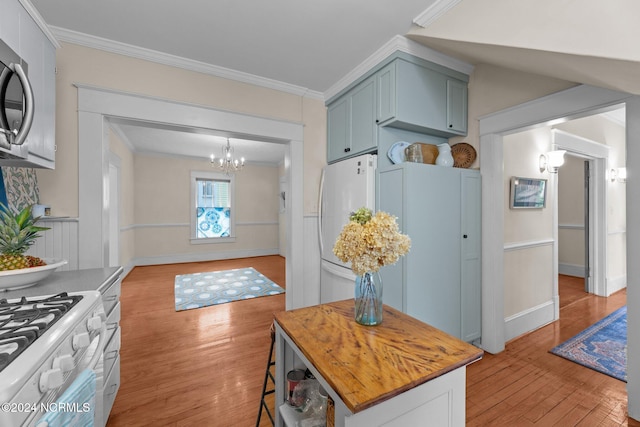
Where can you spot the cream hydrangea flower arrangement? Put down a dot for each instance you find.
(371, 241)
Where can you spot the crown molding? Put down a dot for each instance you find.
(112, 46)
(39, 20)
(434, 12)
(398, 44)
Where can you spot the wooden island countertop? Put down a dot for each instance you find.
(366, 365)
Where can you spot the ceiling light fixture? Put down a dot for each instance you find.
(227, 163)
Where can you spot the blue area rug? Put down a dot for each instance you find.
(219, 287)
(601, 347)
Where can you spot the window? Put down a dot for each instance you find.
(212, 213)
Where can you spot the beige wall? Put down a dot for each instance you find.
(492, 89)
(528, 233)
(78, 64)
(315, 154)
(571, 212)
(59, 188)
(521, 152)
(162, 207)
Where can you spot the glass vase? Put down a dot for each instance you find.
(368, 309)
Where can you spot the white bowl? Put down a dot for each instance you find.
(25, 277)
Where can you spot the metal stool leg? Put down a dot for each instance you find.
(267, 376)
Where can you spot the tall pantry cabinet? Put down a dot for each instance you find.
(438, 281)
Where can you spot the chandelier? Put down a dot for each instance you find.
(227, 163)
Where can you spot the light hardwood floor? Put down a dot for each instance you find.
(526, 385)
(201, 367)
(205, 367)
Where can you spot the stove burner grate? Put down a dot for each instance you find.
(23, 321)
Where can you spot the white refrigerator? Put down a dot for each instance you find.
(345, 186)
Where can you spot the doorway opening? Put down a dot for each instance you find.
(96, 106)
(574, 103)
(582, 226)
(574, 223)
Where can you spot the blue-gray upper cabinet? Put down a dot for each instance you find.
(351, 122)
(456, 106)
(422, 97)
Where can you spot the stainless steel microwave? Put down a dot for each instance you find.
(16, 98)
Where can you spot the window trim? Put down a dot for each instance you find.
(195, 175)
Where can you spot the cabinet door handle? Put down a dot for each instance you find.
(377, 121)
(450, 126)
(346, 150)
(464, 236)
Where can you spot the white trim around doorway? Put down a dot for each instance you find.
(573, 103)
(96, 105)
(598, 156)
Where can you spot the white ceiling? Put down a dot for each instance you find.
(307, 44)
(582, 41)
(310, 46)
(156, 138)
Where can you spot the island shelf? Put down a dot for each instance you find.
(400, 373)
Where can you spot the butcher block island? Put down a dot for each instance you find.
(400, 373)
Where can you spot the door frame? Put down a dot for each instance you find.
(597, 154)
(573, 103)
(96, 105)
(115, 165)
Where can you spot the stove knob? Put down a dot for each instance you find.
(64, 363)
(94, 323)
(81, 340)
(51, 379)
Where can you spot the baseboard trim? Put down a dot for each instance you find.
(529, 320)
(127, 269)
(571, 270)
(198, 257)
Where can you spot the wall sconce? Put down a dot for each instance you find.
(551, 161)
(619, 174)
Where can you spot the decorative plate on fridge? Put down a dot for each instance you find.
(396, 152)
(25, 277)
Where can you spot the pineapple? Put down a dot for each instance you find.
(17, 233)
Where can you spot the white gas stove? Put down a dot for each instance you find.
(45, 344)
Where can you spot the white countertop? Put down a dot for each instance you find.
(69, 281)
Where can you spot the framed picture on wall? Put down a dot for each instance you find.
(528, 193)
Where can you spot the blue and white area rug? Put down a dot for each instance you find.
(219, 287)
(601, 347)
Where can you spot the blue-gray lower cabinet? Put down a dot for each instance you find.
(438, 281)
